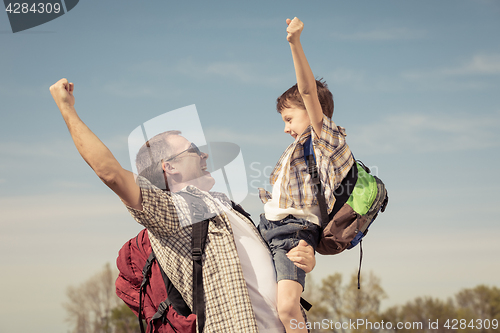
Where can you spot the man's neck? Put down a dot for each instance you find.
(177, 187)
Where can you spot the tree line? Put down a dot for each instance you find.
(93, 307)
(349, 309)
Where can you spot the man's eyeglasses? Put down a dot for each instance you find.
(192, 149)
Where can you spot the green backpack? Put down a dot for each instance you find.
(359, 199)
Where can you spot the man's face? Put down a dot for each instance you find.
(296, 121)
(191, 168)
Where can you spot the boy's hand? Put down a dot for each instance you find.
(62, 92)
(294, 29)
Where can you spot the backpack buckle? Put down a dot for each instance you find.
(196, 254)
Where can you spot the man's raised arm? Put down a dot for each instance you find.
(93, 151)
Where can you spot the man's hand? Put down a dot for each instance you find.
(303, 256)
(294, 29)
(62, 92)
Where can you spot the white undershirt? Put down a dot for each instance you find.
(258, 271)
(275, 213)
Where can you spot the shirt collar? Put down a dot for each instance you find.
(304, 136)
(191, 189)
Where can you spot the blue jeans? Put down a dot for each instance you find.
(282, 236)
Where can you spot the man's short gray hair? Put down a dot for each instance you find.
(148, 159)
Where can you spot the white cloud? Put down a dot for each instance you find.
(361, 80)
(57, 208)
(481, 64)
(25, 91)
(478, 65)
(37, 149)
(245, 72)
(277, 139)
(473, 75)
(43, 161)
(117, 142)
(251, 23)
(54, 148)
(348, 76)
(382, 34)
(128, 89)
(144, 79)
(71, 185)
(239, 71)
(427, 133)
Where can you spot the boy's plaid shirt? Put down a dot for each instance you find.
(167, 217)
(333, 158)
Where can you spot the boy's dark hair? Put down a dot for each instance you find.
(292, 98)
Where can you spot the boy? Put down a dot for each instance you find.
(292, 212)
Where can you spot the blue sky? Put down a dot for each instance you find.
(416, 84)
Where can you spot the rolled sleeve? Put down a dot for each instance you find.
(331, 137)
(264, 195)
(335, 158)
(158, 214)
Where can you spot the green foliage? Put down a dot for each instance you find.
(93, 306)
(344, 304)
(465, 313)
(341, 303)
(479, 303)
(420, 313)
(124, 320)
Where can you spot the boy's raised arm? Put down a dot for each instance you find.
(93, 151)
(306, 82)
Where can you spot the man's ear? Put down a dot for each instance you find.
(169, 168)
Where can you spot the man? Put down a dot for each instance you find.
(238, 274)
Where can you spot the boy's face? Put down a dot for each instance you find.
(296, 121)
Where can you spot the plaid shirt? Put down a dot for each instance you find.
(167, 217)
(333, 158)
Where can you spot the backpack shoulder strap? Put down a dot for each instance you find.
(174, 296)
(240, 210)
(312, 169)
(199, 212)
(173, 299)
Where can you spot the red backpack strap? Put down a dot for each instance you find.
(146, 272)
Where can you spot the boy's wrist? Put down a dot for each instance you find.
(295, 45)
(295, 41)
